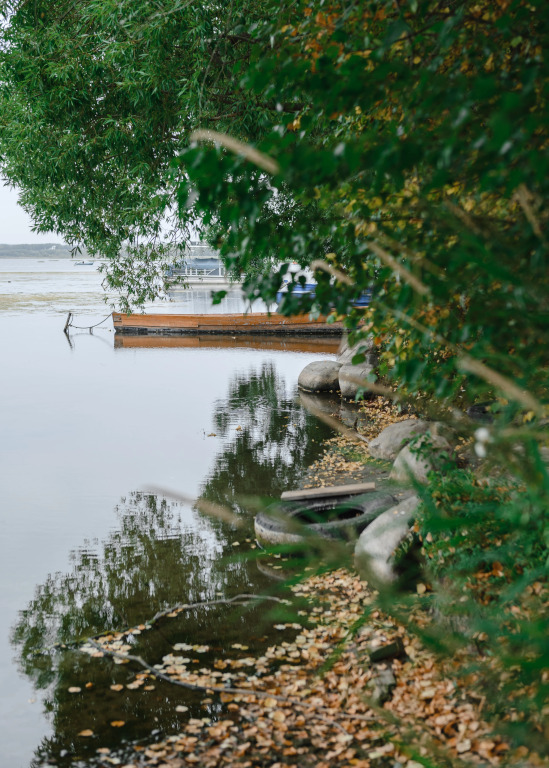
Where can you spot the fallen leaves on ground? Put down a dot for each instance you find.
(307, 714)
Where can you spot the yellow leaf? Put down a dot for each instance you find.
(86, 732)
(118, 723)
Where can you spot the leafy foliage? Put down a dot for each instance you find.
(423, 144)
(410, 150)
(96, 100)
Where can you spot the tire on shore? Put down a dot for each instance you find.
(292, 522)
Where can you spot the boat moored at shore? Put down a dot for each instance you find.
(231, 324)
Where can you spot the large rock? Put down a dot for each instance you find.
(377, 543)
(346, 353)
(349, 374)
(320, 376)
(410, 465)
(388, 443)
(350, 377)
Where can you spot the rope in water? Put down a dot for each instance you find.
(69, 323)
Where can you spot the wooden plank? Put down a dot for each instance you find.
(330, 490)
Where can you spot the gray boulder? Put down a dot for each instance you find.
(389, 442)
(350, 377)
(417, 466)
(377, 543)
(320, 376)
(346, 353)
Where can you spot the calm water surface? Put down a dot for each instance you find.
(87, 425)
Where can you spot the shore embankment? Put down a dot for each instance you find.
(347, 685)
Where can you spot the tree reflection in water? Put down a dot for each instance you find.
(161, 554)
(277, 441)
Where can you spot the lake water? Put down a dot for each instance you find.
(88, 423)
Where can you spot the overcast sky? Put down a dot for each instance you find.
(15, 225)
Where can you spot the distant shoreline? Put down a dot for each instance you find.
(38, 251)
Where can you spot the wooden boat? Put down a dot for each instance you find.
(231, 324)
(303, 343)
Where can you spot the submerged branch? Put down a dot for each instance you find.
(249, 693)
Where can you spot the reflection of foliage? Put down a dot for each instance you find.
(148, 561)
(153, 559)
(273, 446)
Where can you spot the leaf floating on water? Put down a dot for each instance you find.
(149, 687)
(86, 732)
(118, 723)
(117, 687)
(181, 708)
(89, 685)
(74, 689)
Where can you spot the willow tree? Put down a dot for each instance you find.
(97, 100)
(423, 144)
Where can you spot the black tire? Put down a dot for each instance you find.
(287, 522)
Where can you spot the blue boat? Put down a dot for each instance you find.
(308, 288)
